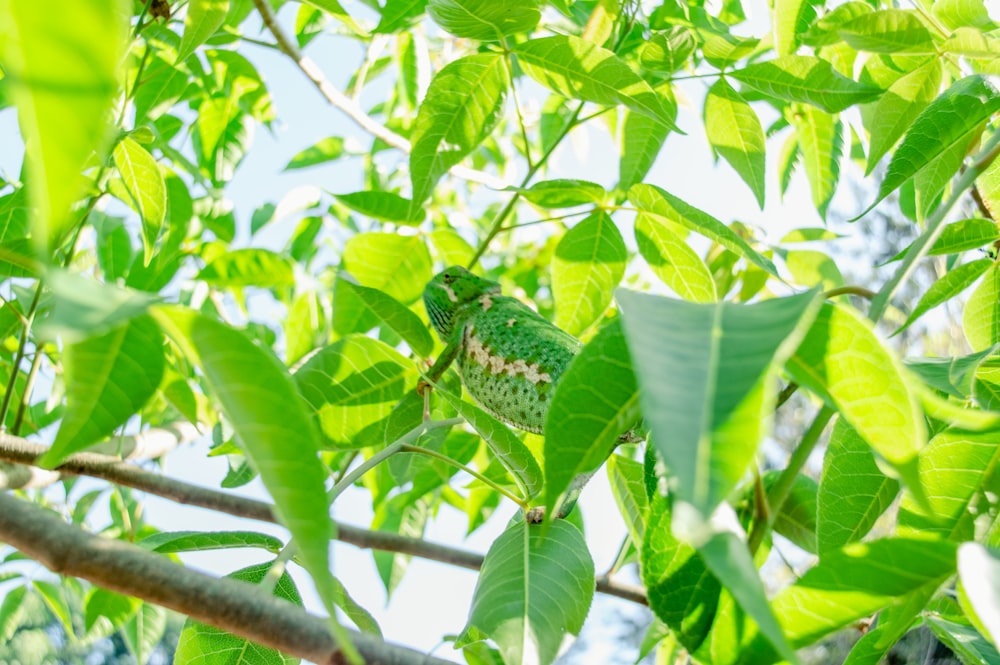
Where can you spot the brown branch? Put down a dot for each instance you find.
(22, 451)
(237, 607)
(341, 101)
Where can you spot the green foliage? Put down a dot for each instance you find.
(154, 272)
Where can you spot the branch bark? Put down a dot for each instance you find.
(344, 103)
(237, 607)
(22, 451)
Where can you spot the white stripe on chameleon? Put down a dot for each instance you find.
(486, 302)
(499, 365)
(451, 293)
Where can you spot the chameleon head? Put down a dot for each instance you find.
(449, 292)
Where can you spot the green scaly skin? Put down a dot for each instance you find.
(509, 357)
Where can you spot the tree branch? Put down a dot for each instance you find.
(237, 607)
(341, 101)
(22, 451)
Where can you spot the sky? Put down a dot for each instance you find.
(684, 168)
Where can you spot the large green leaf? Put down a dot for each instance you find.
(955, 468)
(579, 69)
(791, 19)
(950, 122)
(147, 191)
(669, 209)
(950, 285)
(820, 138)
(532, 590)
(485, 20)
(857, 580)
(735, 133)
(964, 235)
(203, 18)
(896, 110)
(979, 572)
(627, 480)
(842, 360)
(682, 592)
(397, 317)
(981, 316)
(705, 375)
(642, 139)
(595, 402)
(272, 425)
(853, 492)
(85, 308)
(384, 205)
(964, 640)
(505, 446)
(807, 79)
(673, 260)
(62, 74)
(201, 644)
(892, 31)
(108, 379)
(352, 386)
(463, 105)
(396, 264)
(589, 263)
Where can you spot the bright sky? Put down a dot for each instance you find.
(433, 599)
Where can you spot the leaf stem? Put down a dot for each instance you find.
(19, 357)
(406, 448)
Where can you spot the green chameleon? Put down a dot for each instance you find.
(509, 357)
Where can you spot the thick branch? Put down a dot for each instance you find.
(349, 106)
(21, 451)
(237, 607)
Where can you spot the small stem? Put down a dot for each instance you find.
(517, 105)
(619, 559)
(780, 490)
(546, 220)
(406, 448)
(505, 212)
(36, 362)
(860, 291)
(19, 357)
(277, 568)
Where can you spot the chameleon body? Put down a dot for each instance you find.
(509, 357)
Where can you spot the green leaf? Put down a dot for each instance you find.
(204, 541)
(669, 209)
(397, 317)
(964, 640)
(973, 43)
(249, 267)
(510, 450)
(796, 520)
(485, 20)
(952, 376)
(406, 516)
(578, 69)
(953, 283)
(108, 607)
(305, 327)
(666, 52)
(708, 407)
(201, 644)
(143, 632)
(12, 612)
(957, 13)
(463, 105)
(54, 596)
(952, 121)
(673, 260)
(532, 590)
(351, 388)
(896, 110)
(336, 10)
(564, 193)
(451, 248)
(85, 308)
(813, 268)
(858, 580)
(108, 379)
(853, 491)
(843, 361)
(589, 263)
(62, 74)
(398, 265)
(821, 143)
(203, 18)
(596, 401)
(965, 235)
(806, 79)
(147, 191)
(955, 469)
(324, 150)
(626, 477)
(682, 592)
(735, 133)
(272, 425)
(791, 20)
(892, 31)
(642, 140)
(979, 572)
(384, 205)
(981, 316)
